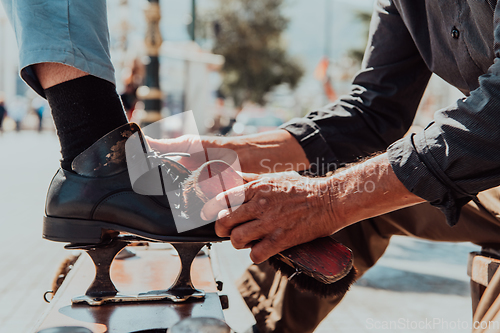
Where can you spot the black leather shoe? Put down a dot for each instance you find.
(97, 200)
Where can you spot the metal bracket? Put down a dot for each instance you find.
(102, 290)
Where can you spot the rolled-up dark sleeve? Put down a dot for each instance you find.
(318, 152)
(457, 155)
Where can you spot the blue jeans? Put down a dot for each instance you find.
(71, 32)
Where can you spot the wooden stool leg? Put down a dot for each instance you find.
(485, 281)
(476, 292)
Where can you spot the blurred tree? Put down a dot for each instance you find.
(248, 34)
(365, 18)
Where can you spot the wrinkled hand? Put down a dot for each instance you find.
(279, 211)
(282, 210)
(202, 149)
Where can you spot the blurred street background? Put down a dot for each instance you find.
(242, 66)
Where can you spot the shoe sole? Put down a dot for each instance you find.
(79, 231)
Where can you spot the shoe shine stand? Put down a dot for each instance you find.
(143, 304)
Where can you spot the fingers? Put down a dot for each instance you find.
(253, 234)
(154, 143)
(167, 145)
(184, 144)
(234, 197)
(247, 234)
(267, 247)
(255, 209)
(245, 212)
(239, 217)
(249, 177)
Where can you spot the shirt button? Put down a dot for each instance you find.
(455, 33)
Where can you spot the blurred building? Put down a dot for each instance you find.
(10, 85)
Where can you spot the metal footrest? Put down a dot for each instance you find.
(102, 290)
(151, 296)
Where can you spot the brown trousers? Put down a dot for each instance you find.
(278, 307)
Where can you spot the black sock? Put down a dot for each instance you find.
(84, 110)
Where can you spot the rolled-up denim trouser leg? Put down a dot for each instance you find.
(71, 32)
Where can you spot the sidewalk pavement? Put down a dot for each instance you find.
(417, 286)
(28, 263)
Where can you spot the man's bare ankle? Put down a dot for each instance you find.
(51, 73)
